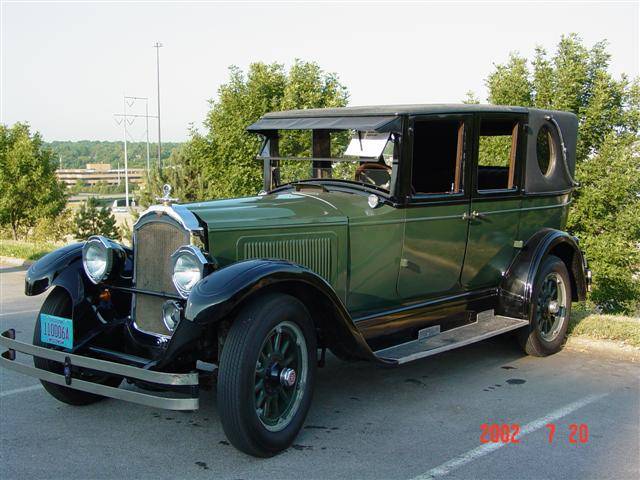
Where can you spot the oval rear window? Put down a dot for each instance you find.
(545, 150)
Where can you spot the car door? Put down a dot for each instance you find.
(496, 198)
(435, 233)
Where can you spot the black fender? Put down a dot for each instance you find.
(60, 268)
(220, 293)
(63, 268)
(516, 288)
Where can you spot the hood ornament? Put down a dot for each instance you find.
(166, 195)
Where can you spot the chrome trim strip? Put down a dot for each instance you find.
(98, 389)
(188, 379)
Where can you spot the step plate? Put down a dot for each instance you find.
(486, 326)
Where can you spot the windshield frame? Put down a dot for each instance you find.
(269, 155)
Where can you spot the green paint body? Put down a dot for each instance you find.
(383, 257)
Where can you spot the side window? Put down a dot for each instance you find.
(497, 152)
(437, 156)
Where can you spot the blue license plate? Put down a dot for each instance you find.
(56, 331)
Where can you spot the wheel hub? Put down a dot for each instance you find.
(288, 377)
(553, 307)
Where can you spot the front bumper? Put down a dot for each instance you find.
(170, 400)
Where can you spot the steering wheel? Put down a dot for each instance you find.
(360, 171)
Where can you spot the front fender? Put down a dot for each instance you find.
(44, 273)
(516, 288)
(218, 294)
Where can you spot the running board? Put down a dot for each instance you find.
(486, 325)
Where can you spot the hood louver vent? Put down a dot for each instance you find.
(316, 251)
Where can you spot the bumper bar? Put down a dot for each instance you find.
(178, 401)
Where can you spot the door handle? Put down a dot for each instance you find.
(473, 215)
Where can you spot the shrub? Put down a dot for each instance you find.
(91, 220)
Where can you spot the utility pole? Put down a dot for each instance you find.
(157, 46)
(126, 160)
(146, 117)
(129, 118)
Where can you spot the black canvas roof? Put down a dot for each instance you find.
(393, 110)
(381, 118)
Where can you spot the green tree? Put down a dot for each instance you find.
(94, 220)
(605, 217)
(604, 211)
(222, 159)
(29, 189)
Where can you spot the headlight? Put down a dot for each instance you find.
(189, 267)
(100, 257)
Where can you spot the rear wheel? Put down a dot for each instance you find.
(59, 304)
(550, 310)
(266, 376)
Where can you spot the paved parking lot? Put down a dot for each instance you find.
(422, 420)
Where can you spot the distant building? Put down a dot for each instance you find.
(98, 172)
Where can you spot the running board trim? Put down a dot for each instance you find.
(486, 325)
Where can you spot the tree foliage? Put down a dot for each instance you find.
(220, 162)
(604, 212)
(94, 220)
(76, 154)
(29, 189)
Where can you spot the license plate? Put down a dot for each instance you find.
(56, 331)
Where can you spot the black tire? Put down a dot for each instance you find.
(58, 303)
(238, 378)
(547, 332)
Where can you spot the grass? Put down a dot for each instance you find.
(26, 250)
(587, 323)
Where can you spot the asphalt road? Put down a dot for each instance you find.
(422, 420)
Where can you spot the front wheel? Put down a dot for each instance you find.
(550, 310)
(267, 373)
(58, 303)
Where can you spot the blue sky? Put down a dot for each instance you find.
(66, 65)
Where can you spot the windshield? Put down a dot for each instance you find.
(361, 157)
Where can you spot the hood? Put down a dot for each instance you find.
(275, 210)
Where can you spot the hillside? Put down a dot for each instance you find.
(78, 154)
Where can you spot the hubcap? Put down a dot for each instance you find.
(288, 377)
(280, 376)
(551, 306)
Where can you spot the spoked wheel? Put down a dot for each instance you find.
(266, 376)
(551, 306)
(280, 376)
(550, 311)
(58, 303)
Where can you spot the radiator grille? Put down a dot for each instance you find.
(313, 252)
(154, 244)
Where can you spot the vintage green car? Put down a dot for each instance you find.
(385, 234)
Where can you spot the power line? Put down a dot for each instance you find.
(128, 119)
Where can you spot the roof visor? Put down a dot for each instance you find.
(365, 124)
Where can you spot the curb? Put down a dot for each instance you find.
(14, 262)
(610, 348)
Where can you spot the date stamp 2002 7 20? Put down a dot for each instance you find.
(508, 433)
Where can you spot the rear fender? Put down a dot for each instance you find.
(516, 289)
(219, 294)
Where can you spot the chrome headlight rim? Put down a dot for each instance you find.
(113, 253)
(201, 261)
